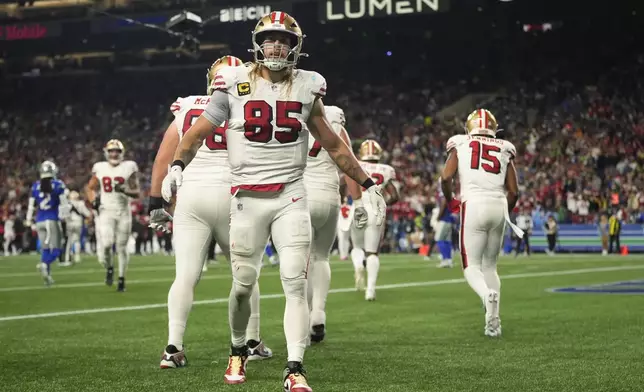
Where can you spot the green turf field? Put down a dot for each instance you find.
(424, 332)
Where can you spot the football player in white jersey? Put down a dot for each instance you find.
(118, 181)
(270, 107)
(366, 242)
(75, 225)
(489, 191)
(202, 212)
(323, 192)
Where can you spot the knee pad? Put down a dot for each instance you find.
(244, 279)
(293, 263)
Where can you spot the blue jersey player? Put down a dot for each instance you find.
(443, 233)
(48, 197)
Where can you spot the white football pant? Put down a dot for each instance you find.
(285, 217)
(324, 222)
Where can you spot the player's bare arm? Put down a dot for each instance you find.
(511, 186)
(193, 139)
(351, 186)
(91, 189)
(391, 194)
(133, 189)
(448, 174)
(334, 145)
(163, 159)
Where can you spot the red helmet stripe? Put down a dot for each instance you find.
(273, 16)
(230, 61)
(282, 17)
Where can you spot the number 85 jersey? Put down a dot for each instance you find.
(482, 165)
(267, 134)
(210, 164)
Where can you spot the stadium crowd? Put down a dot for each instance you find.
(580, 145)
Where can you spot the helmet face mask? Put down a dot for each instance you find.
(48, 169)
(114, 151)
(277, 41)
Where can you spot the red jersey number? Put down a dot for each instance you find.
(258, 116)
(216, 140)
(487, 154)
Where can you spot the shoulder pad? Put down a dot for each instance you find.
(176, 106)
(511, 149)
(335, 115)
(315, 81)
(225, 78)
(452, 142)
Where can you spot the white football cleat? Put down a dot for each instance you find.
(370, 295)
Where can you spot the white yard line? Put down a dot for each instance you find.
(333, 291)
(168, 279)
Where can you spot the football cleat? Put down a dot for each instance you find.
(172, 358)
(295, 378)
(121, 286)
(109, 276)
(258, 351)
(370, 295)
(318, 333)
(236, 371)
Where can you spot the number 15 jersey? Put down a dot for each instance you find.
(267, 135)
(210, 164)
(482, 165)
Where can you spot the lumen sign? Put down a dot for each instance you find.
(360, 9)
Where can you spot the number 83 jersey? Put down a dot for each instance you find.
(210, 164)
(267, 134)
(482, 165)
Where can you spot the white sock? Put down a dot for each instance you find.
(493, 282)
(373, 265)
(124, 260)
(107, 257)
(476, 280)
(320, 282)
(252, 330)
(44, 271)
(239, 310)
(296, 318)
(357, 256)
(179, 305)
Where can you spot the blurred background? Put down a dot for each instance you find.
(564, 79)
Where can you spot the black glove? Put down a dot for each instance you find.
(96, 203)
(120, 188)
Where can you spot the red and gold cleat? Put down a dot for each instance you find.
(236, 371)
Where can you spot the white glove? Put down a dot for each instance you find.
(158, 220)
(377, 203)
(360, 216)
(172, 182)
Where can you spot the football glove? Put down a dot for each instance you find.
(360, 216)
(172, 182)
(159, 219)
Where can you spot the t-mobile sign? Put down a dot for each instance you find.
(21, 31)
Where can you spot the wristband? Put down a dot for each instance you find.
(368, 183)
(179, 163)
(155, 203)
